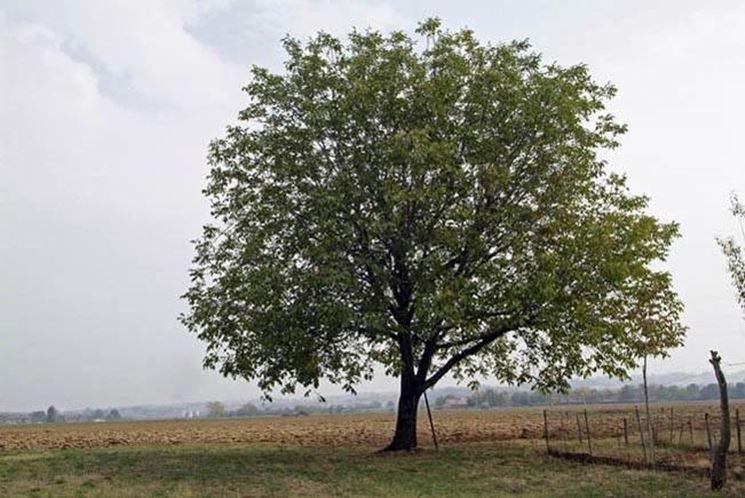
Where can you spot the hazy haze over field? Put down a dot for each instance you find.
(106, 109)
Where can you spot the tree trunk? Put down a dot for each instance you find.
(649, 418)
(719, 452)
(408, 404)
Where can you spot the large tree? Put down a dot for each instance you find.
(434, 205)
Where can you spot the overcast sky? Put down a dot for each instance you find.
(106, 110)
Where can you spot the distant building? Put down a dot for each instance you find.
(455, 402)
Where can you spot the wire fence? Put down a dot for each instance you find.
(669, 436)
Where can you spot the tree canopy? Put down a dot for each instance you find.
(432, 204)
(734, 253)
(216, 409)
(52, 414)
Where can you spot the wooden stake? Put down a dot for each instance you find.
(625, 431)
(672, 424)
(545, 430)
(641, 433)
(680, 434)
(431, 423)
(690, 429)
(737, 426)
(579, 431)
(562, 433)
(587, 429)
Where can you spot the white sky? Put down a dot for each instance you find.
(106, 109)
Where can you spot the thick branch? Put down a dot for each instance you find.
(464, 353)
(425, 362)
(460, 261)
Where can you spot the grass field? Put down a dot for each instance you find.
(471, 469)
(490, 453)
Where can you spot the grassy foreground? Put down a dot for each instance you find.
(489, 469)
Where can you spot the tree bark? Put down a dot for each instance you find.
(719, 452)
(404, 439)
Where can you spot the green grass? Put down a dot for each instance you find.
(489, 469)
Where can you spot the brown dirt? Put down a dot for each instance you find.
(375, 429)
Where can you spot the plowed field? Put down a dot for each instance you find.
(339, 430)
(365, 429)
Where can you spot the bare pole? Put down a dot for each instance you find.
(431, 423)
(579, 431)
(545, 429)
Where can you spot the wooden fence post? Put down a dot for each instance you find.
(690, 428)
(587, 429)
(625, 431)
(562, 433)
(641, 433)
(545, 430)
(737, 425)
(672, 424)
(680, 434)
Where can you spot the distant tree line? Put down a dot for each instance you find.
(52, 415)
(492, 398)
(482, 398)
(216, 409)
